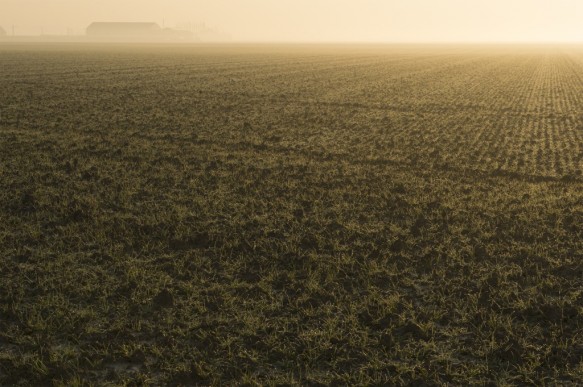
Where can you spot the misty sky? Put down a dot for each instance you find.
(317, 20)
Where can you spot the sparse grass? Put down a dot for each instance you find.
(298, 215)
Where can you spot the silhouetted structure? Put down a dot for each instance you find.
(2, 32)
(123, 30)
(172, 34)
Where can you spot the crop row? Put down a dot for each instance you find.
(488, 109)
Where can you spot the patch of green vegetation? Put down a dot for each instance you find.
(261, 215)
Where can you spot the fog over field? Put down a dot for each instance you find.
(316, 20)
(405, 210)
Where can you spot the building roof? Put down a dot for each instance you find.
(122, 29)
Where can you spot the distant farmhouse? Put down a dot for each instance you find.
(134, 31)
(172, 34)
(2, 32)
(123, 30)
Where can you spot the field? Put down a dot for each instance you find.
(281, 215)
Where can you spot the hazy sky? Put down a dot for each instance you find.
(318, 20)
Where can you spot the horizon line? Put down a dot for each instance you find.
(42, 38)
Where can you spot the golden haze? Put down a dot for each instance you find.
(318, 20)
